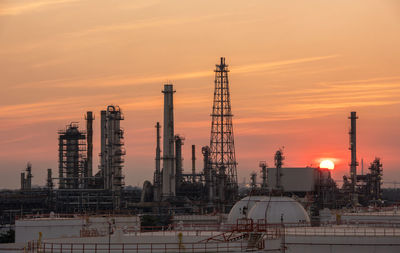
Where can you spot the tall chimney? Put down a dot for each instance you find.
(353, 164)
(89, 143)
(193, 163)
(168, 185)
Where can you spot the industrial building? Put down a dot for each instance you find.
(191, 195)
(215, 187)
(254, 224)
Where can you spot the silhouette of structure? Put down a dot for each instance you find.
(222, 147)
(168, 181)
(71, 157)
(353, 148)
(112, 151)
(26, 182)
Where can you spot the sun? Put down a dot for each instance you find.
(327, 164)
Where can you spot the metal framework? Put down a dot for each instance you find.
(72, 161)
(222, 147)
(113, 150)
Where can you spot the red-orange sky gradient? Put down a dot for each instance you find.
(297, 70)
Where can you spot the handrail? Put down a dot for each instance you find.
(137, 247)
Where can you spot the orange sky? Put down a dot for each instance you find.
(297, 69)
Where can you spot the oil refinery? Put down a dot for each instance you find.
(292, 209)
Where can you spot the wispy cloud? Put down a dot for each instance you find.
(325, 99)
(268, 65)
(111, 81)
(21, 8)
(146, 23)
(18, 139)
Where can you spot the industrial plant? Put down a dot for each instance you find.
(189, 209)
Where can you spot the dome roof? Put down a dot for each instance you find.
(242, 207)
(273, 208)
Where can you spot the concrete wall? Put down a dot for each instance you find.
(27, 230)
(342, 244)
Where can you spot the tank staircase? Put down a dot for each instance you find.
(226, 237)
(255, 241)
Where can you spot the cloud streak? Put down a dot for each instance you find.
(18, 9)
(115, 81)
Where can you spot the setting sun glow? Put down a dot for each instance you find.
(327, 164)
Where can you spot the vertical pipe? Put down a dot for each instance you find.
(158, 149)
(178, 160)
(263, 166)
(28, 183)
(168, 143)
(103, 115)
(49, 179)
(208, 174)
(362, 166)
(157, 176)
(89, 143)
(193, 163)
(221, 187)
(61, 161)
(22, 181)
(353, 165)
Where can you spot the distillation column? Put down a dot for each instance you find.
(263, 166)
(89, 142)
(168, 182)
(72, 149)
(193, 163)
(157, 174)
(112, 148)
(353, 164)
(178, 161)
(103, 116)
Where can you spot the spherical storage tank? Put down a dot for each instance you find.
(241, 209)
(270, 209)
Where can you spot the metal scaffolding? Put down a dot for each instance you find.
(71, 159)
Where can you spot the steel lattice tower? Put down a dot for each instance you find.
(222, 147)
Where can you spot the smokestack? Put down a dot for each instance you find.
(353, 165)
(89, 143)
(168, 185)
(193, 163)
